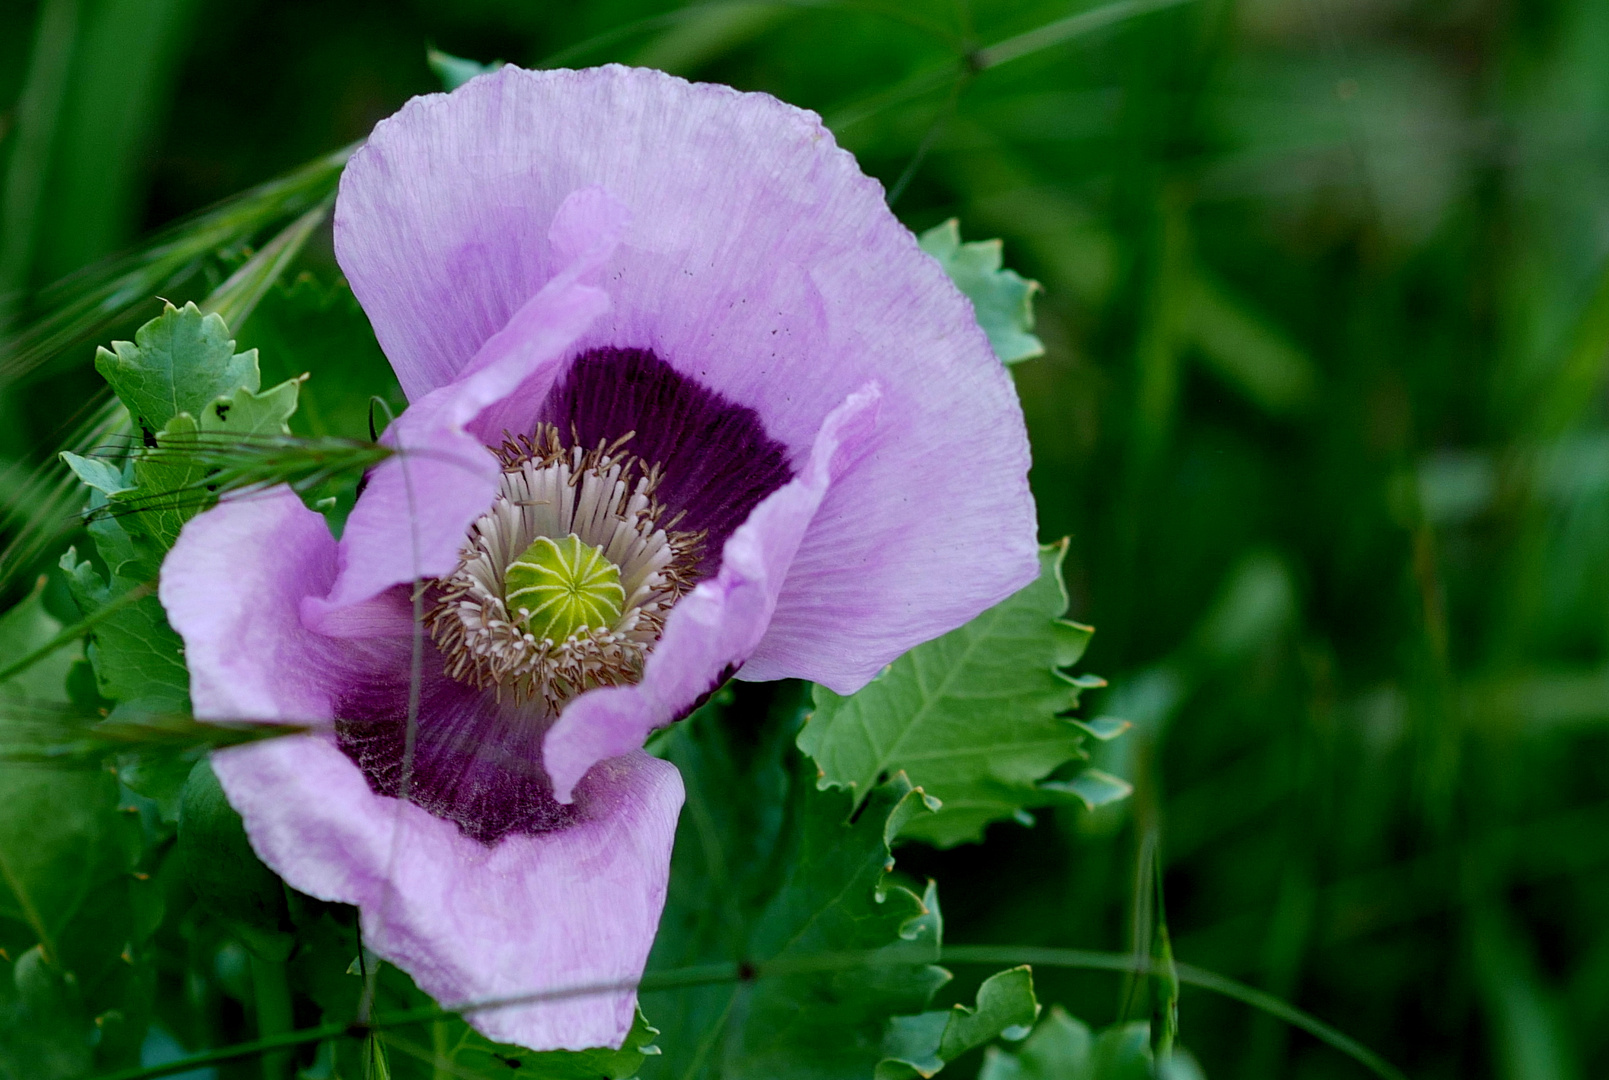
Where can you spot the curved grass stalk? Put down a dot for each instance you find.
(960, 70)
(45, 507)
(46, 504)
(718, 974)
(705, 8)
(72, 633)
(89, 302)
(234, 465)
(64, 737)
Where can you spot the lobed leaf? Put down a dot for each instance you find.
(179, 362)
(1062, 1048)
(769, 871)
(1002, 299)
(921, 1045)
(476, 1055)
(73, 990)
(973, 718)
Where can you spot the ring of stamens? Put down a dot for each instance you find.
(600, 499)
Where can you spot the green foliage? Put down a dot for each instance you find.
(327, 969)
(310, 327)
(480, 1057)
(224, 872)
(1061, 1048)
(1002, 299)
(74, 988)
(209, 429)
(307, 326)
(767, 871)
(1057, 1049)
(455, 71)
(138, 659)
(974, 718)
(921, 1045)
(180, 362)
(1344, 306)
(188, 388)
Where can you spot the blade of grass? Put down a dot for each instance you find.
(72, 633)
(89, 302)
(980, 60)
(1064, 30)
(716, 974)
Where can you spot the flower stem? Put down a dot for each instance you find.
(272, 994)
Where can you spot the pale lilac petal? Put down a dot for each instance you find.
(577, 906)
(718, 624)
(558, 911)
(759, 261)
(232, 587)
(410, 522)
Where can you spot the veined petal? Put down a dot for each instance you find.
(409, 524)
(569, 910)
(233, 587)
(570, 907)
(761, 262)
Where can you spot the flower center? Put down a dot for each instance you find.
(564, 584)
(560, 588)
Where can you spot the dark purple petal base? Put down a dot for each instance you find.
(717, 458)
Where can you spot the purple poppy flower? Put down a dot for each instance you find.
(686, 401)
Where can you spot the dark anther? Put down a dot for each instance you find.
(512, 1063)
(747, 972)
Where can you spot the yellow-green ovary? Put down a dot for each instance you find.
(564, 587)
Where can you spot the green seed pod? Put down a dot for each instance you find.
(560, 588)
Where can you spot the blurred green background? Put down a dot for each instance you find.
(1323, 410)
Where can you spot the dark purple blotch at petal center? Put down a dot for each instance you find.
(475, 762)
(718, 461)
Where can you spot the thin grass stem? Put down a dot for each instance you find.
(78, 629)
(723, 973)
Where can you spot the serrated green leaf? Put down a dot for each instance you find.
(102, 476)
(767, 869)
(179, 362)
(922, 1045)
(1003, 300)
(170, 479)
(478, 1056)
(1058, 1049)
(1092, 787)
(248, 413)
(66, 856)
(1061, 1048)
(193, 393)
(167, 485)
(1005, 1006)
(139, 660)
(972, 718)
(1104, 728)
